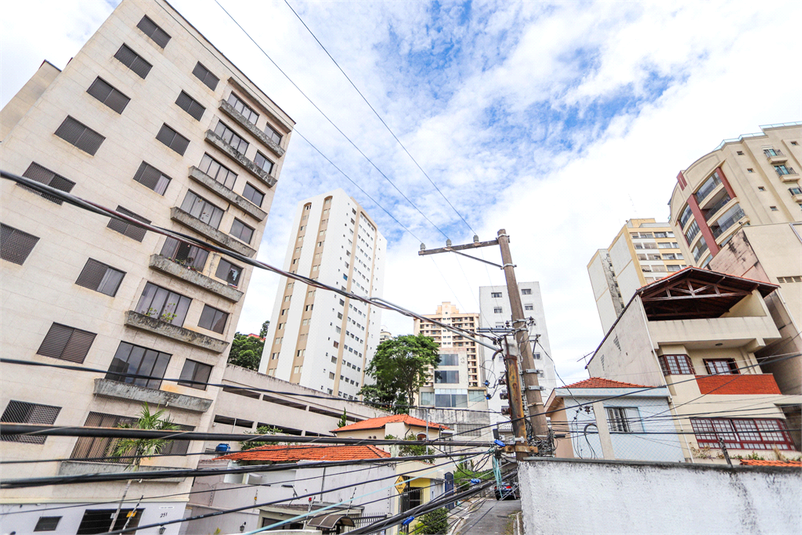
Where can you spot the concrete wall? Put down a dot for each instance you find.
(559, 496)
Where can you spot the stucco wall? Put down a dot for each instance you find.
(561, 496)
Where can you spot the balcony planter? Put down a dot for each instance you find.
(229, 110)
(115, 389)
(244, 162)
(156, 326)
(170, 267)
(237, 200)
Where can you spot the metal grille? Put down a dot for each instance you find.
(173, 139)
(262, 161)
(149, 176)
(190, 105)
(149, 28)
(80, 135)
(205, 76)
(132, 231)
(20, 412)
(105, 93)
(100, 277)
(133, 61)
(47, 523)
(46, 176)
(66, 343)
(15, 245)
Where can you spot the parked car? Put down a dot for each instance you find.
(507, 491)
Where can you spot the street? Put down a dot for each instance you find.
(492, 518)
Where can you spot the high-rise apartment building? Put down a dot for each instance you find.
(494, 311)
(152, 120)
(643, 252)
(317, 338)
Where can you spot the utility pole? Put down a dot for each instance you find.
(531, 386)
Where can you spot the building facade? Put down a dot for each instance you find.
(150, 119)
(643, 251)
(319, 339)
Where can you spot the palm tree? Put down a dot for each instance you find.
(136, 449)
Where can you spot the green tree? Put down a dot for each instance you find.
(400, 367)
(343, 419)
(434, 522)
(263, 330)
(261, 430)
(246, 351)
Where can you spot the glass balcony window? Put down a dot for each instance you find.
(708, 186)
(692, 231)
(685, 216)
(728, 219)
(699, 249)
(717, 205)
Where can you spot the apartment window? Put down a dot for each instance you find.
(718, 366)
(676, 364)
(444, 376)
(497, 310)
(228, 272)
(228, 135)
(93, 447)
(743, 433)
(750, 170)
(149, 176)
(253, 194)
(66, 343)
(262, 161)
(190, 105)
(495, 294)
(273, 134)
(692, 231)
(163, 304)
(687, 213)
(133, 61)
(195, 371)
(49, 178)
(624, 420)
(241, 230)
(529, 307)
(80, 135)
(20, 412)
(455, 398)
(108, 95)
(100, 277)
(185, 254)
(198, 207)
(668, 245)
(773, 208)
(526, 291)
(219, 172)
(699, 249)
(673, 267)
(331, 375)
(137, 360)
(15, 245)
(47, 523)
(213, 319)
(795, 191)
(149, 28)
(712, 182)
(449, 359)
(783, 170)
(204, 75)
(243, 108)
(173, 139)
(126, 228)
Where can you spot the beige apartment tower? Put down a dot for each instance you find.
(643, 252)
(150, 119)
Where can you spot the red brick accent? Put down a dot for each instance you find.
(726, 384)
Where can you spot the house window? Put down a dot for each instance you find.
(273, 134)
(228, 135)
(108, 95)
(263, 162)
(185, 254)
(204, 75)
(100, 277)
(718, 366)
(133, 61)
(149, 176)
(253, 194)
(529, 307)
(190, 105)
(47, 523)
(198, 207)
(624, 420)
(66, 343)
(743, 433)
(80, 135)
(195, 371)
(676, 364)
(20, 412)
(443, 376)
(126, 228)
(173, 139)
(137, 360)
(15, 245)
(242, 231)
(149, 28)
(228, 272)
(526, 291)
(213, 319)
(163, 304)
(243, 108)
(495, 294)
(497, 310)
(49, 178)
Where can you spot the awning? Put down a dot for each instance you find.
(330, 521)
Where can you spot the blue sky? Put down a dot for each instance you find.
(557, 121)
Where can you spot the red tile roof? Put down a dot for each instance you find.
(788, 464)
(378, 423)
(290, 454)
(600, 382)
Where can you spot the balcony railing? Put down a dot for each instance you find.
(736, 385)
(711, 211)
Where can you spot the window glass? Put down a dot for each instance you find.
(219, 172)
(137, 360)
(187, 255)
(100, 277)
(198, 207)
(228, 135)
(213, 319)
(242, 231)
(195, 371)
(204, 75)
(263, 162)
(15, 245)
(246, 111)
(163, 304)
(151, 177)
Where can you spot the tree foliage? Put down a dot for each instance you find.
(434, 522)
(246, 351)
(261, 430)
(400, 367)
(343, 419)
(142, 448)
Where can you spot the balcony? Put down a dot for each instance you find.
(237, 200)
(245, 163)
(115, 389)
(737, 385)
(221, 238)
(787, 174)
(775, 156)
(80, 468)
(180, 334)
(165, 265)
(229, 110)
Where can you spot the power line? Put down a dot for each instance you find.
(379, 116)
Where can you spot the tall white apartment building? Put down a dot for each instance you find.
(317, 338)
(494, 311)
